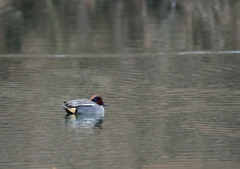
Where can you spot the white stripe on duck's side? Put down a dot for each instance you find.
(85, 106)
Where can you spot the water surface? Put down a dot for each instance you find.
(165, 111)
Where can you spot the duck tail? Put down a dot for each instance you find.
(69, 110)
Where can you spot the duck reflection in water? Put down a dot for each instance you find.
(85, 121)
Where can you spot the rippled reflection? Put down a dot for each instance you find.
(133, 26)
(85, 121)
(167, 111)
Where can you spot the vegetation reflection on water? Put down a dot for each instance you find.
(73, 27)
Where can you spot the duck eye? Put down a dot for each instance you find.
(98, 98)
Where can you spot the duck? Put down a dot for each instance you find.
(85, 106)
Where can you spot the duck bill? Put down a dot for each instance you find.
(104, 104)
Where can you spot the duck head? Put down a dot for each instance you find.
(98, 99)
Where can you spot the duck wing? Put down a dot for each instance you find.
(71, 105)
(77, 103)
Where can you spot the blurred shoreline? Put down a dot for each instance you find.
(134, 26)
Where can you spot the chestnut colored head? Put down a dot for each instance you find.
(97, 99)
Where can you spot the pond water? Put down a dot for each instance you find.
(168, 69)
(164, 111)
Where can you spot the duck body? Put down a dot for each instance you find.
(85, 106)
